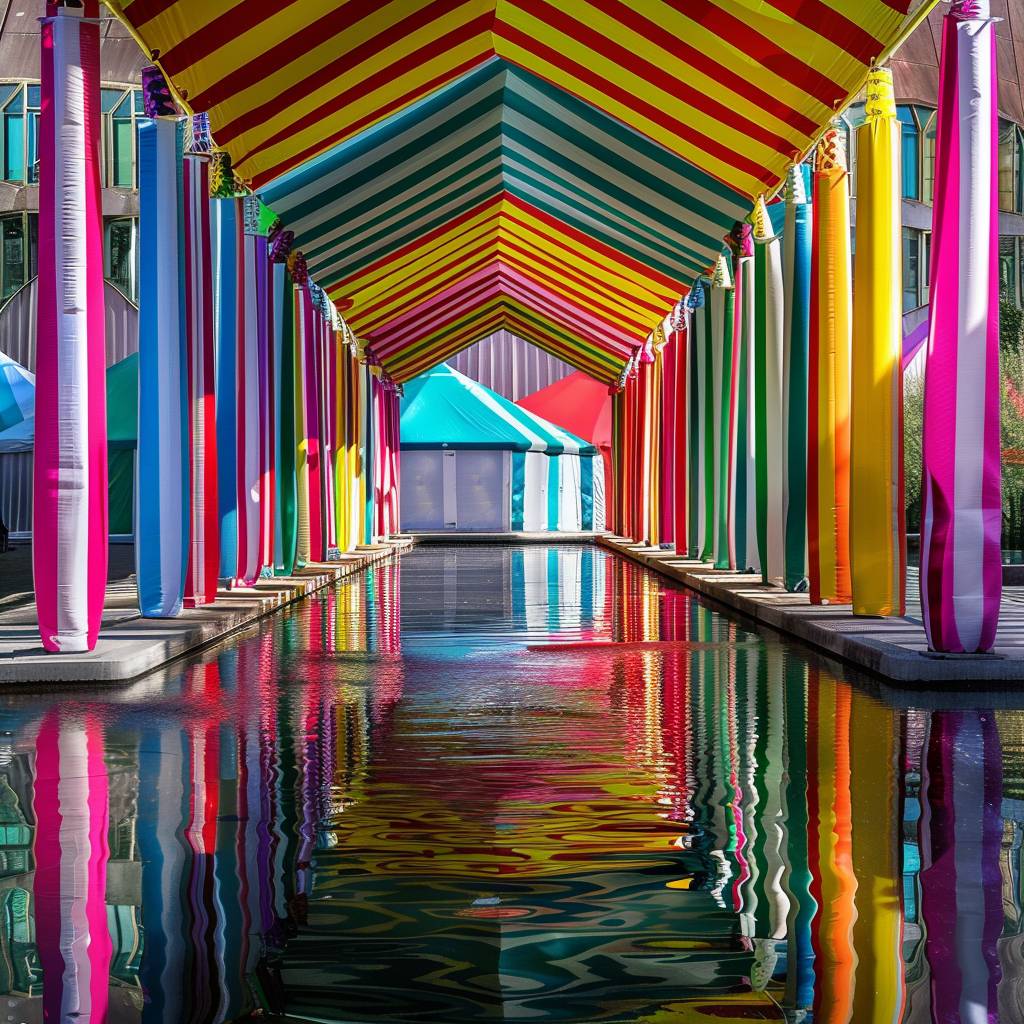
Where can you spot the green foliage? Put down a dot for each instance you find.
(1011, 379)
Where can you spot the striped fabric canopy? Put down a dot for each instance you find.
(453, 167)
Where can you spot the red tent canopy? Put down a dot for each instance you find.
(582, 406)
(578, 403)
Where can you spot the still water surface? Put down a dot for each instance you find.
(518, 784)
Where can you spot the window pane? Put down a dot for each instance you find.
(34, 97)
(6, 88)
(33, 245)
(925, 270)
(122, 149)
(32, 169)
(1007, 165)
(14, 147)
(911, 268)
(1008, 275)
(120, 255)
(108, 97)
(928, 158)
(12, 256)
(910, 153)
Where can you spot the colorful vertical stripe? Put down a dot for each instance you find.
(163, 491)
(877, 538)
(722, 307)
(796, 266)
(828, 402)
(285, 530)
(769, 315)
(226, 230)
(204, 531)
(961, 572)
(69, 553)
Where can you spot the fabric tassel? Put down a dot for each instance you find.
(828, 404)
(877, 539)
(163, 492)
(796, 265)
(69, 509)
(204, 535)
(961, 517)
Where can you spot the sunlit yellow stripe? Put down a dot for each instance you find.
(311, 140)
(773, 161)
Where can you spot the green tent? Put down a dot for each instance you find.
(122, 438)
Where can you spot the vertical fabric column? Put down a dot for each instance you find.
(961, 573)
(680, 429)
(267, 390)
(797, 282)
(667, 435)
(706, 384)
(769, 314)
(284, 375)
(303, 326)
(248, 426)
(722, 315)
(311, 377)
(745, 497)
(828, 404)
(204, 533)
(226, 231)
(163, 491)
(69, 537)
(877, 544)
(341, 440)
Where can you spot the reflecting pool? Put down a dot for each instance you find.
(517, 784)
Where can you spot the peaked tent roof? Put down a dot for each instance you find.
(578, 403)
(443, 408)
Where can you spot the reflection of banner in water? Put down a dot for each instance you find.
(880, 991)
(796, 877)
(834, 884)
(71, 852)
(960, 832)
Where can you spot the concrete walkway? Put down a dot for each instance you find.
(130, 645)
(895, 648)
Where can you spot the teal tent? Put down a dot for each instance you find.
(474, 461)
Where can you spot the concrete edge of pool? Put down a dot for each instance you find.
(893, 648)
(131, 646)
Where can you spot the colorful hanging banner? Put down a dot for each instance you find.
(163, 490)
(69, 509)
(267, 394)
(769, 322)
(961, 517)
(204, 535)
(284, 417)
(680, 428)
(828, 402)
(226, 242)
(877, 538)
(796, 269)
(747, 557)
(722, 307)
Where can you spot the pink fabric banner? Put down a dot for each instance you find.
(69, 549)
(961, 573)
(204, 535)
(249, 425)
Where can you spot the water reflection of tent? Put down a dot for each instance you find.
(16, 441)
(473, 460)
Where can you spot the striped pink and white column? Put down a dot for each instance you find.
(204, 534)
(69, 536)
(961, 574)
